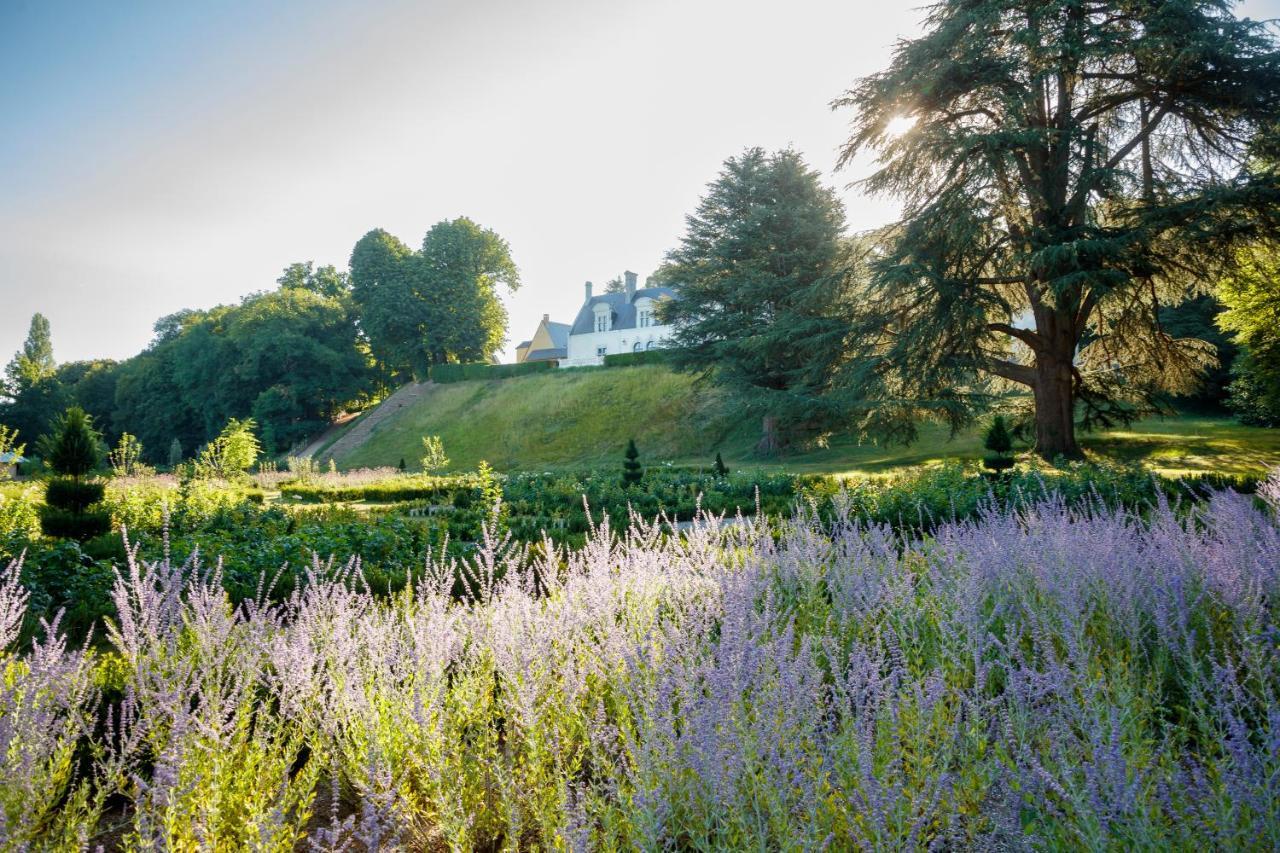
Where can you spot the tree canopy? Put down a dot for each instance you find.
(1070, 167)
(761, 276)
(437, 305)
(1251, 296)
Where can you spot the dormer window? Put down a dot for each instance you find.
(603, 317)
(644, 313)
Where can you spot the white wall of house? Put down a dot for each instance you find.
(586, 349)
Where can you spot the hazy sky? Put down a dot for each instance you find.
(159, 155)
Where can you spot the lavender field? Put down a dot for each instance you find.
(1050, 678)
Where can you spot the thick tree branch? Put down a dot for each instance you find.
(1020, 373)
(1027, 336)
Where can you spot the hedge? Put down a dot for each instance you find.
(445, 373)
(388, 491)
(630, 359)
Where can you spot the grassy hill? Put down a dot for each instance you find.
(583, 418)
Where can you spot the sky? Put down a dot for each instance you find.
(156, 156)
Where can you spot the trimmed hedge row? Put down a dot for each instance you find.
(388, 491)
(631, 359)
(445, 373)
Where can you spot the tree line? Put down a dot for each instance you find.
(291, 358)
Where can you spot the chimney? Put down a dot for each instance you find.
(546, 318)
(631, 284)
(588, 291)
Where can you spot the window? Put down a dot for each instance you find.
(638, 347)
(603, 316)
(601, 352)
(644, 319)
(649, 345)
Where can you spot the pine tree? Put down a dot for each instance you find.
(1078, 165)
(631, 470)
(74, 448)
(175, 453)
(761, 275)
(720, 470)
(999, 441)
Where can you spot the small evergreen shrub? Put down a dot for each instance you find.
(720, 469)
(65, 524)
(999, 441)
(73, 495)
(632, 473)
(74, 448)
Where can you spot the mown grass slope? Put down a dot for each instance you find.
(583, 418)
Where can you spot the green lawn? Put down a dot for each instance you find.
(583, 418)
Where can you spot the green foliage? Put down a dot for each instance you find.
(761, 277)
(34, 362)
(1197, 318)
(66, 524)
(391, 315)
(232, 453)
(433, 456)
(632, 473)
(1251, 295)
(446, 373)
(459, 272)
(1076, 165)
(32, 397)
(73, 495)
(630, 359)
(326, 281)
(19, 517)
(74, 448)
(720, 470)
(490, 498)
(291, 359)
(999, 441)
(175, 453)
(436, 306)
(126, 459)
(9, 444)
(390, 490)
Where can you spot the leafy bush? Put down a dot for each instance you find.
(19, 516)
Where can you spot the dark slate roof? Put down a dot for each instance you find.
(559, 334)
(624, 310)
(547, 354)
(523, 344)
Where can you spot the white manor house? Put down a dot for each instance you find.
(607, 324)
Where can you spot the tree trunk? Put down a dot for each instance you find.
(770, 442)
(1055, 408)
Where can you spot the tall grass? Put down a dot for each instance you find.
(1053, 676)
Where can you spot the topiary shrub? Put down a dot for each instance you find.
(720, 469)
(65, 524)
(73, 495)
(999, 441)
(631, 470)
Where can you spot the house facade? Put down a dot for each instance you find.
(549, 343)
(614, 323)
